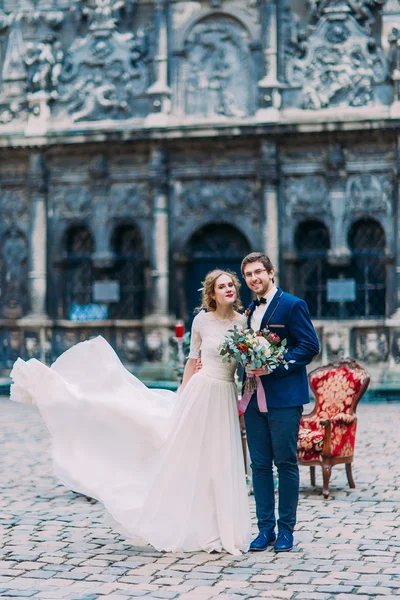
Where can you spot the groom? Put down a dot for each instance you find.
(272, 436)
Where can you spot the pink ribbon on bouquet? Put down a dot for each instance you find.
(261, 399)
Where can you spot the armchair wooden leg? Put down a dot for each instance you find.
(326, 475)
(350, 475)
(312, 476)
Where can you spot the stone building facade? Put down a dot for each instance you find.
(143, 142)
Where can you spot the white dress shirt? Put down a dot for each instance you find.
(259, 311)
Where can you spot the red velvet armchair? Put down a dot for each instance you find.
(327, 435)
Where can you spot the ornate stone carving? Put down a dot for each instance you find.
(130, 347)
(13, 207)
(337, 61)
(370, 194)
(335, 344)
(105, 70)
(129, 201)
(396, 346)
(394, 60)
(217, 75)
(11, 348)
(43, 62)
(235, 197)
(32, 66)
(362, 10)
(306, 195)
(372, 346)
(71, 202)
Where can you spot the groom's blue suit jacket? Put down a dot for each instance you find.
(288, 317)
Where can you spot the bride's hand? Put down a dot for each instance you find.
(259, 372)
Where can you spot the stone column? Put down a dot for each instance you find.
(269, 184)
(269, 86)
(160, 92)
(38, 238)
(395, 308)
(158, 323)
(160, 250)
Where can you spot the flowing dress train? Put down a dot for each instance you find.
(167, 466)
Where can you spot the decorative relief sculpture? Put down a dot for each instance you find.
(372, 346)
(337, 61)
(396, 346)
(394, 60)
(362, 10)
(217, 74)
(130, 346)
(105, 70)
(13, 207)
(71, 202)
(370, 194)
(306, 195)
(44, 62)
(29, 67)
(236, 197)
(129, 200)
(335, 344)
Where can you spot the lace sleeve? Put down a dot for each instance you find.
(195, 339)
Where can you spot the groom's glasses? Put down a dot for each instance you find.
(256, 273)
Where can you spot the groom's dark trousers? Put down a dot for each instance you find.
(272, 436)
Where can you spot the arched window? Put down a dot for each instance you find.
(214, 246)
(367, 243)
(14, 289)
(312, 242)
(129, 270)
(80, 275)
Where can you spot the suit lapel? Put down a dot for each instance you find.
(250, 314)
(273, 305)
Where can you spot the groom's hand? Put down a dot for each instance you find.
(259, 372)
(199, 366)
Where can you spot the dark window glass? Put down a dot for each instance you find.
(80, 275)
(367, 243)
(312, 242)
(130, 272)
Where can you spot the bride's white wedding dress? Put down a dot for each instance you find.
(168, 467)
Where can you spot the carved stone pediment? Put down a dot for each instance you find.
(369, 194)
(129, 201)
(236, 198)
(217, 72)
(71, 202)
(337, 63)
(14, 207)
(307, 195)
(105, 70)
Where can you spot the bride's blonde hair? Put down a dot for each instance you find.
(207, 300)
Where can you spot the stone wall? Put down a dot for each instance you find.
(142, 142)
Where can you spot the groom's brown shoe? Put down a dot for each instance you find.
(265, 538)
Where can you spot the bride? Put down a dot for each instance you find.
(168, 467)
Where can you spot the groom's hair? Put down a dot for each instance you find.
(257, 257)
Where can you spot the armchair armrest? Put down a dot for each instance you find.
(327, 448)
(344, 419)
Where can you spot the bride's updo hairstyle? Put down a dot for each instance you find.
(207, 300)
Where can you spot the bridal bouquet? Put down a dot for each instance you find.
(254, 350)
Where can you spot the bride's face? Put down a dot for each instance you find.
(224, 291)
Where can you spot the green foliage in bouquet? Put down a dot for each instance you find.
(254, 350)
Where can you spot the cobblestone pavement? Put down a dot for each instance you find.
(55, 545)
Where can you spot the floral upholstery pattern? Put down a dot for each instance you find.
(337, 389)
